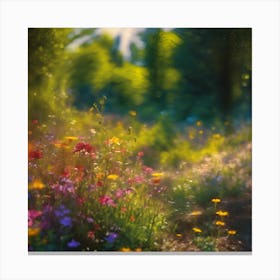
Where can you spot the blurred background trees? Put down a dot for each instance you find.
(181, 74)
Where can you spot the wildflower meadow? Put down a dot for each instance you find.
(126, 155)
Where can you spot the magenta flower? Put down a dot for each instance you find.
(33, 214)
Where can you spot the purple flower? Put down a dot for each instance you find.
(73, 244)
(65, 185)
(66, 221)
(47, 209)
(90, 220)
(61, 211)
(111, 237)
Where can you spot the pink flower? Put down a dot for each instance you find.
(33, 214)
(119, 193)
(128, 191)
(147, 169)
(140, 154)
(107, 200)
(137, 179)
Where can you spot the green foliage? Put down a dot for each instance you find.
(169, 127)
(206, 244)
(46, 59)
(128, 86)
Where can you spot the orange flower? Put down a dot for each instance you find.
(36, 185)
(156, 180)
(132, 218)
(71, 138)
(114, 140)
(125, 249)
(99, 175)
(33, 232)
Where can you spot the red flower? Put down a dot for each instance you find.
(35, 154)
(99, 184)
(83, 147)
(80, 200)
(66, 172)
(90, 234)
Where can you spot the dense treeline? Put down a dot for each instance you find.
(184, 74)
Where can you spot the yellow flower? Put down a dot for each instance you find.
(138, 250)
(216, 200)
(198, 123)
(36, 185)
(232, 232)
(195, 213)
(216, 136)
(179, 234)
(71, 138)
(157, 174)
(114, 140)
(132, 113)
(220, 223)
(222, 213)
(33, 231)
(195, 229)
(113, 177)
(125, 249)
